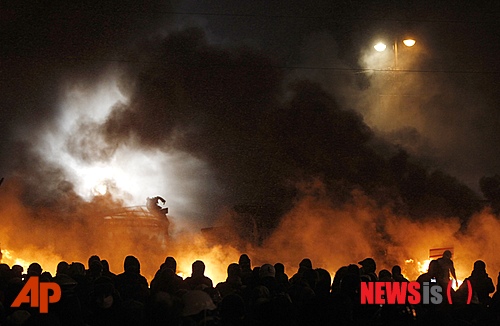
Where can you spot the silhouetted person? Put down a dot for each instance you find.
(446, 268)
(34, 269)
(69, 308)
(232, 310)
(267, 277)
(233, 284)
(166, 279)
(94, 271)
(281, 276)
(17, 271)
(198, 280)
(321, 309)
(304, 265)
(246, 269)
(368, 270)
(93, 258)
(106, 272)
(131, 284)
(431, 274)
(302, 286)
(396, 274)
(337, 278)
(171, 263)
(385, 276)
(83, 288)
(198, 307)
(105, 307)
(482, 284)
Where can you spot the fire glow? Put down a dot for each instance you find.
(347, 234)
(188, 247)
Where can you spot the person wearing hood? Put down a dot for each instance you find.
(481, 283)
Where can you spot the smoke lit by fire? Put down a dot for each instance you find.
(330, 236)
(209, 127)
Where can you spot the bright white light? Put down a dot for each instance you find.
(100, 189)
(380, 47)
(128, 173)
(409, 42)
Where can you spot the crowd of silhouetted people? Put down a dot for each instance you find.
(251, 295)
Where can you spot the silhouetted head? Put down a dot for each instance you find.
(198, 268)
(479, 265)
(34, 269)
(131, 265)
(62, 268)
(311, 276)
(353, 269)
(267, 270)
(323, 285)
(46, 277)
(196, 301)
(4, 268)
(279, 268)
(369, 265)
(447, 254)
(105, 265)
(76, 269)
(103, 292)
(232, 308)
(93, 258)
(396, 270)
(95, 268)
(433, 269)
(171, 263)
(244, 261)
(306, 262)
(18, 270)
(384, 275)
(233, 270)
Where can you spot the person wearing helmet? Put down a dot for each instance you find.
(198, 308)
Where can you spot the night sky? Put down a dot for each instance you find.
(212, 104)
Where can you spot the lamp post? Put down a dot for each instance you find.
(394, 97)
(380, 47)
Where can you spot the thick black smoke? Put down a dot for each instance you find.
(48, 46)
(232, 107)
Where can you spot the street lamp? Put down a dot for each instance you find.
(408, 42)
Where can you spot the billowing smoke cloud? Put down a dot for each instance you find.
(212, 127)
